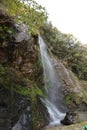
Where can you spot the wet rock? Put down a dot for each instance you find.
(24, 121)
(17, 127)
(21, 69)
(11, 107)
(70, 118)
(3, 105)
(4, 120)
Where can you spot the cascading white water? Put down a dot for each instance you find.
(53, 100)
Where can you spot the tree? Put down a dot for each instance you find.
(67, 48)
(26, 12)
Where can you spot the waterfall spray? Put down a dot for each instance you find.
(52, 86)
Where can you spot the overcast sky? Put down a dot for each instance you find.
(69, 16)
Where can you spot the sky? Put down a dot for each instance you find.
(69, 16)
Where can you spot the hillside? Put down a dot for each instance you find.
(22, 80)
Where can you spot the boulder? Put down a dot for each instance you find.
(70, 118)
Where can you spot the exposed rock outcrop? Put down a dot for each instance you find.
(74, 94)
(21, 77)
(20, 74)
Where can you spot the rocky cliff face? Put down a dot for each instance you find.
(73, 90)
(20, 55)
(20, 75)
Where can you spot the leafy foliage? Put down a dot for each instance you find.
(6, 34)
(68, 99)
(10, 80)
(67, 48)
(26, 12)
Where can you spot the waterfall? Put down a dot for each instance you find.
(54, 96)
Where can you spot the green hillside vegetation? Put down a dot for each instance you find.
(21, 72)
(67, 48)
(26, 12)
